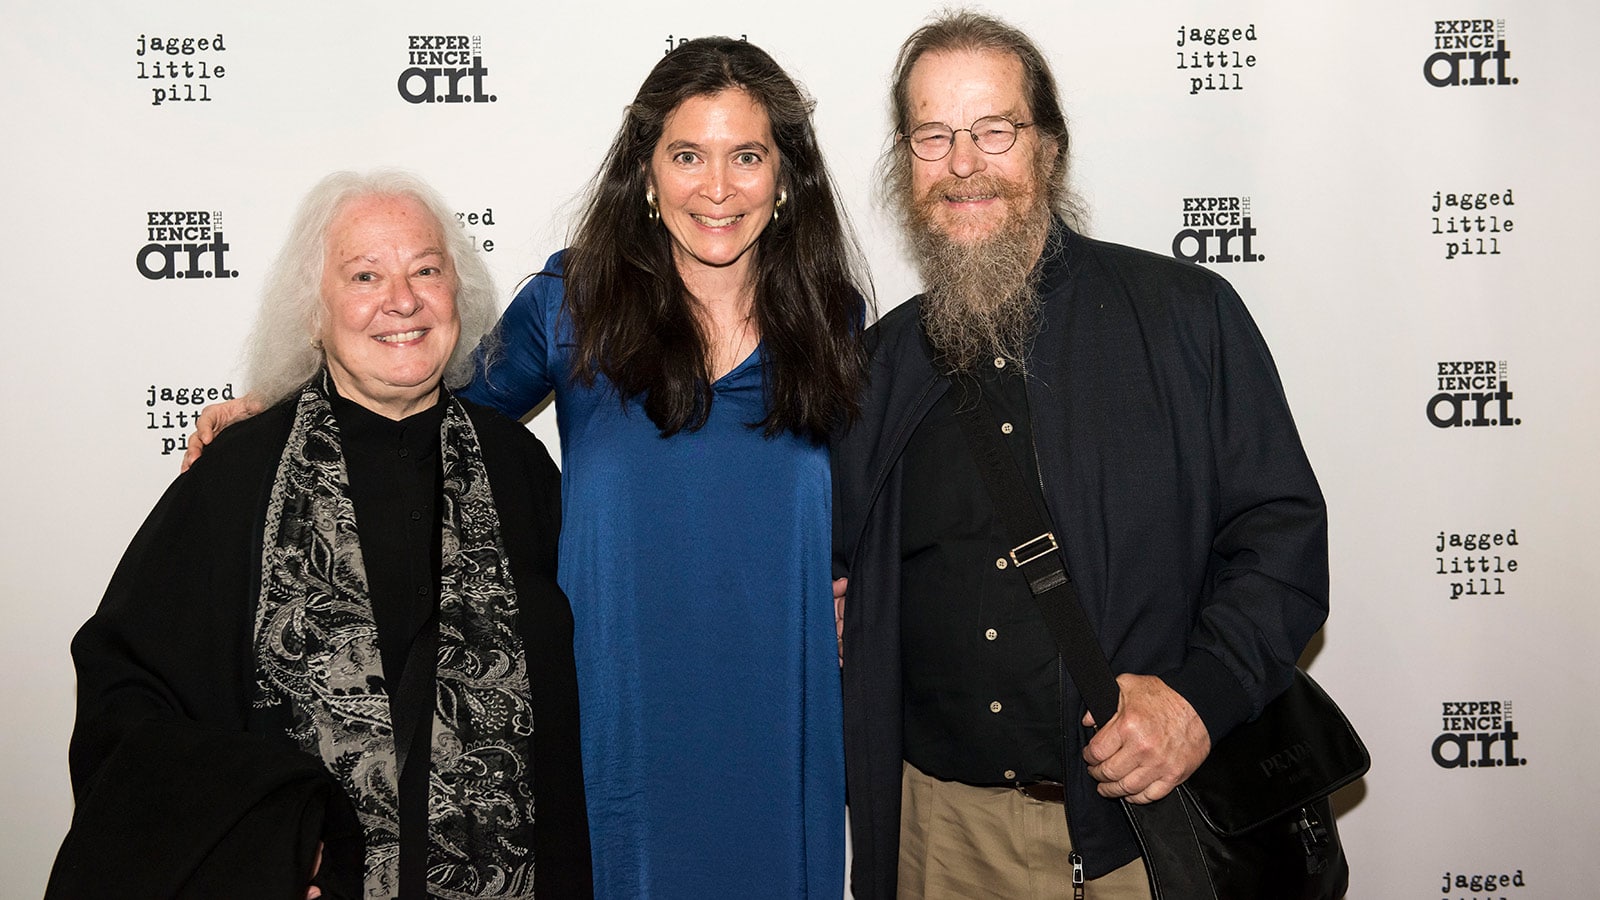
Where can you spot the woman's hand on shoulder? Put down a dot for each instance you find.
(213, 419)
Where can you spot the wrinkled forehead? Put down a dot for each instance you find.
(964, 82)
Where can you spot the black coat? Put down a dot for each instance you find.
(183, 789)
(1176, 484)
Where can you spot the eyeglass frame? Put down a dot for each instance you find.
(1016, 130)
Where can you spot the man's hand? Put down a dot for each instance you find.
(839, 584)
(214, 418)
(1150, 746)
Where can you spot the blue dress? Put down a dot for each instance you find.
(698, 567)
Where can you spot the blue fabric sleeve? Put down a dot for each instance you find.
(519, 375)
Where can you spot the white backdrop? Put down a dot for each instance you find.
(1463, 566)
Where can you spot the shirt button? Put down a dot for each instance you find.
(991, 634)
(1000, 563)
(422, 591)
(994, 707)
(404, 453)
(415, 515)
(999, 362)
(1005, 428)
(1011, 774)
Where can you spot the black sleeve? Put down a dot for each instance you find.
(180, 810)
(175, 796)
(1269, 578)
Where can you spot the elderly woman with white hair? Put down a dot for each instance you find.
(335, 660)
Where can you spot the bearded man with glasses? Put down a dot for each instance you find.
(1138, 400)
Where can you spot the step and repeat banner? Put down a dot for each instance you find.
(1403, 191)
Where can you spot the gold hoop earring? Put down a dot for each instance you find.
(783, 197)
(650, 200)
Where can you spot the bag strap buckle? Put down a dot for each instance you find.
(1030, 550)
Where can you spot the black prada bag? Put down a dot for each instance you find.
(1254, 821)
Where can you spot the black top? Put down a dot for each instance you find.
(982, 678)
(183, 788)
(394, 486)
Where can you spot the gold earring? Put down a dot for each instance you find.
(650, 201)
(783, 197)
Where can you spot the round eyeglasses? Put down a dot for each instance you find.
(932, 141)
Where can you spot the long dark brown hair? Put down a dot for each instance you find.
(632, 316)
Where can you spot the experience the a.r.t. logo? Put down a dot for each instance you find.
(1216, 230)
(1468, 53)
(184, 243)
(1477, 734)
(444, 68)
(1472, 393)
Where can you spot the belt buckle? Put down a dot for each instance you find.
(1043, 545)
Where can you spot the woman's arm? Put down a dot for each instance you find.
(513, 368)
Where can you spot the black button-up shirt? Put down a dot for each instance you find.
(981, 673)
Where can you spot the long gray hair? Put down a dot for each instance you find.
(283, 352)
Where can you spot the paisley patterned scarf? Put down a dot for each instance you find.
(316, 647)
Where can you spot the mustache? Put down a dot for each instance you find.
(983, 183)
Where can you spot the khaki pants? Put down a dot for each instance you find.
(960, 841)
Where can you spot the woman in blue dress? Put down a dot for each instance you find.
(700, 338)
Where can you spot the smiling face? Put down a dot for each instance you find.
(970, 196)
(389, 320)
(715, 176)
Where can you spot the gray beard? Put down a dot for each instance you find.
(981, 300)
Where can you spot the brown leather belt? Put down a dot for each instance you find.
(1046, 791)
